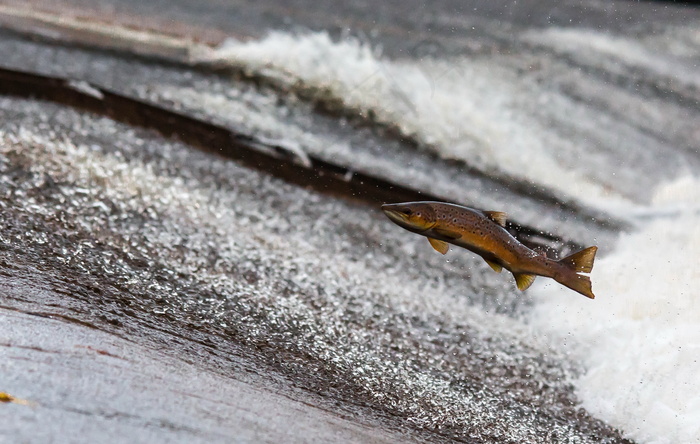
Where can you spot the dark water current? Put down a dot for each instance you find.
(149, 239)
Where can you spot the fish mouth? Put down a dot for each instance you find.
(394, 215)
(401, 219)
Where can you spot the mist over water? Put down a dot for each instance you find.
(463, 109)
(640, 338)
(530, 116)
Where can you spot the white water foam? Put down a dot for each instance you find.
(465, 109)
(640, 338)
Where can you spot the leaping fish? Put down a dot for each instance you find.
(483, 233)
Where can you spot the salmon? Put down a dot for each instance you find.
(484, 233)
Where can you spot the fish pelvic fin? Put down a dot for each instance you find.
(581, 261)
(524, 280)
(496, 267)
(497, 216)
(440, 246)
(579, 283)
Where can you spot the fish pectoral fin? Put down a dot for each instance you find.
(440, 246)
(524, 280)
(447, 233)
(497, 216)
(496, 267)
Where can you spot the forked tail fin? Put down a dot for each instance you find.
(582, 261)
(579, 283)
(579, 262)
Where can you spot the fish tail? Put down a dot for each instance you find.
(579, 262)
(579, 283)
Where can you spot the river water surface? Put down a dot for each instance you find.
(590, 134)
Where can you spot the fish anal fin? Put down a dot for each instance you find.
(447, 233)
(496, 267)
(524, 280)
(497, 216)
(581, 261)
(440, 246)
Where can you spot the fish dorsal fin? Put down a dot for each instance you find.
(581, 261)
(541, 250)
(447, 233)
(497, 216)
(524, 280)
(496, 267)
(440, 246)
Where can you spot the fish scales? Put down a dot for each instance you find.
(483, 233)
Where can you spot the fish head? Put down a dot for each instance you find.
(413, 216)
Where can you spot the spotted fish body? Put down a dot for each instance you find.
(483, 233)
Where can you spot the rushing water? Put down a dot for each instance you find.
(336, 298)
(640, 342)
(561, 117)
(551, 118)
